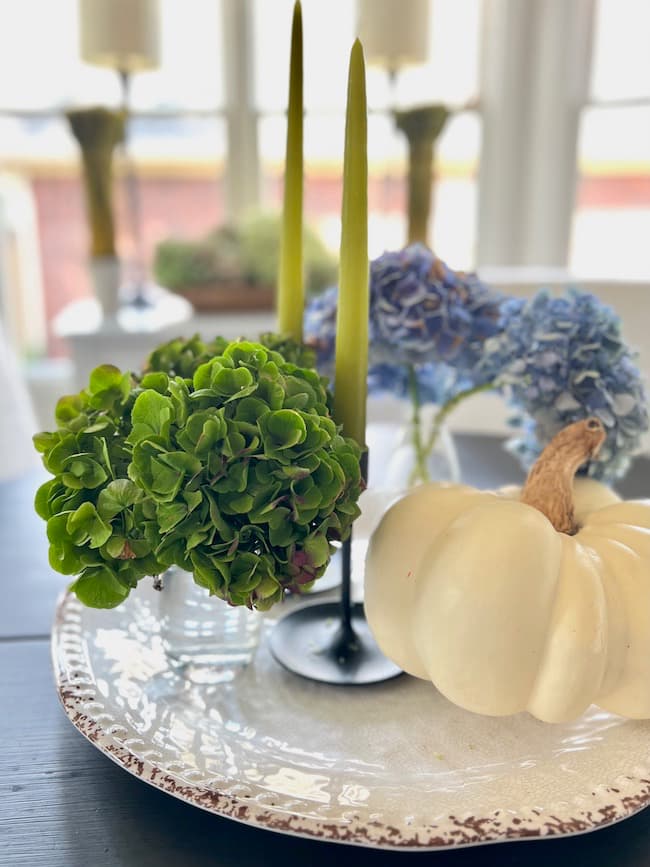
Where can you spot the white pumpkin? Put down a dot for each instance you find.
(510, 605)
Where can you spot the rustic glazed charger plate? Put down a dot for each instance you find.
(393, 766)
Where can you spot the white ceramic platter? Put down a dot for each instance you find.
(393, 766)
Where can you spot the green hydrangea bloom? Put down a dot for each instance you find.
(222, 458)
(246, 476)
(181, 357)
(94, 513)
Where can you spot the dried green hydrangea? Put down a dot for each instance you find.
(229, 466)
(94, 512)
(181, 357)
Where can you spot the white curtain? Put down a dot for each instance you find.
(17, 419)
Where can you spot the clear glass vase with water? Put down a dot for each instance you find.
(209, 640)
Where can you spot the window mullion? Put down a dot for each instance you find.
(563, 63)
(242, 168)
(535, 68)
(506, 72)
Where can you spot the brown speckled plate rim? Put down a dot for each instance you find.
(456, 832)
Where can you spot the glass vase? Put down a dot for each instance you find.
(208, 639)
(413, 463)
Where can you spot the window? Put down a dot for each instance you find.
(549, 99)
(177, 140)
(42, 69)
(612, 213)
(329, 29)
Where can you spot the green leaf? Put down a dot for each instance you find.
(140, 548)
(160, 474)
(181, 463)
(68, 408)
(250, 409)
(210, 573)
(117, 496)
(264, 503)
(204, 431)
(350, 466)
(45, 441)
(306, 498)
(222, 526)
(56, 528)
(282, 531)
(65, 499)
(195, 538)
(180, 397)
(166, 480)
(157, 381)
(241, 394)
(151, 416)
(42, 500)
(104, 377)
(64, 558)
(244, 575)
(81, 471)
(301, 401)
(99, 588)
(234, 479)
(235, 504)
(245, 352)
(235, 442)
(317, 434)
(318, 550)
(267, 593)
(267, 588)
(193, 499)
(108, 386)
(64, 449)
(84, 526)
(122, 548)
(114, 547)
(171, 551)
(227, 382)
(170, 514)
(264, 473)
(178, 356)
(203, 375)
(271, 392)
(281, 430)
(102, 423)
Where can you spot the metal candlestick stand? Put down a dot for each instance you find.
(133, 204)
(331, 641)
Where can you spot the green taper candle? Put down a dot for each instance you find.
(351, 367)
(291, 296)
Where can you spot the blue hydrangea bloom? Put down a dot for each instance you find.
(564, 359)
(319, 328)
(436, 382)
(422, 311)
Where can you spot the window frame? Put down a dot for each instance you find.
(535, 69)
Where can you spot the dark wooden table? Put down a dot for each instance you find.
(64, 804)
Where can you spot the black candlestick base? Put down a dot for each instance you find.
(314, 643)
(331, 642)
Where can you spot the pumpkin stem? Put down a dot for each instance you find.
(549, 486)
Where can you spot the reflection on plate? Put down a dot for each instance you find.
(392, 766)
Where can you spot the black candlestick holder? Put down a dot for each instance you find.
(331, 642)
